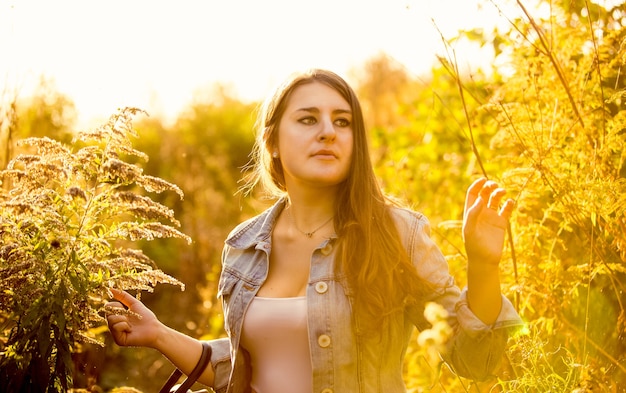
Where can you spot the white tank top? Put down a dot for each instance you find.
(275, 335)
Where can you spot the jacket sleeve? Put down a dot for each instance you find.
(220, 360)
(475, 348)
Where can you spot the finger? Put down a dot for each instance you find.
(473, 192)
(124, 297)
(495, 198)
(476, 186)
(471, 214)
(507, 208)
(487, 189)
(120, 333)
(115, 320)
(114, 305)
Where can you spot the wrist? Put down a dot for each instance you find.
(483, 277)
(164, 337)
(483, 291)
(482, 264)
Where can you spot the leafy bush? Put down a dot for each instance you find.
(69, 217)
(551, 128)
(561, 122)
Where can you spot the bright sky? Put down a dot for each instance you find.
(153, 54)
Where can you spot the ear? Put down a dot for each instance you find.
(272, 147)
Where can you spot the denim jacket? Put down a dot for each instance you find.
(342, 360)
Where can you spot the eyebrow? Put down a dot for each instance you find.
(316, 110)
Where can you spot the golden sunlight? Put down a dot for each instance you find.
(157, 55)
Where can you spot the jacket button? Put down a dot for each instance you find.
(321, 287)
(327, 249)
(327, 390)
(323, 341)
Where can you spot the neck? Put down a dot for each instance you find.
(310, 217)
(310, 205)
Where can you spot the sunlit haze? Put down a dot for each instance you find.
(157, 55)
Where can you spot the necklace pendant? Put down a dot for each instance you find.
(307, 234)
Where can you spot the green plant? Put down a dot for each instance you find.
(551, 128)
(538, 369)
(69, 217)
(561, 126)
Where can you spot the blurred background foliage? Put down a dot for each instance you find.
(549, 123)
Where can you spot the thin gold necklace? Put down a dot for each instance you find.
(307, 234)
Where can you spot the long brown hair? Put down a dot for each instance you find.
(378, 271)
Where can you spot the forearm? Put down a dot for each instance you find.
(483, 291)
(184, 352)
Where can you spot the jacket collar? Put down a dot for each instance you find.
(256, 229)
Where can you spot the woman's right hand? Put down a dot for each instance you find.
(132, 330)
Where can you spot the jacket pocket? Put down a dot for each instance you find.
(226, 284)
(229, 291)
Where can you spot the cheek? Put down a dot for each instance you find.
(349, 143)
(288, 148)
(288, 137)
(348, 158)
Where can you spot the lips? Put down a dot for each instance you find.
(325, 153)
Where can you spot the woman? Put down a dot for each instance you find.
(322, 290)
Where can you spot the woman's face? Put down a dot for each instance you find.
(315, 137)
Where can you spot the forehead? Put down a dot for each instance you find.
(316, 95)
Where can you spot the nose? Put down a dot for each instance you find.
(327, 131)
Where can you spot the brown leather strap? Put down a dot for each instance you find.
(205, 358)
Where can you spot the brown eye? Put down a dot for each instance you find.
(342, 122)
(309, 120)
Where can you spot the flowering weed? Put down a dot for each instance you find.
(69, 216)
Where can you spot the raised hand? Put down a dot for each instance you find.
(140, 329)
(485, 221)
